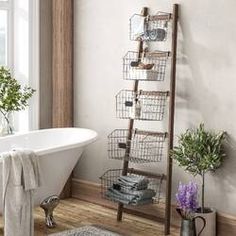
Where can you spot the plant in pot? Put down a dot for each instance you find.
(200, 151)
(187, 204)
(13, 97)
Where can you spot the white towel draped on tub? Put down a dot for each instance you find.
(21, 176)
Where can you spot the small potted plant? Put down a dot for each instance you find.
(187, 204)
(200, 151)
(13, 97)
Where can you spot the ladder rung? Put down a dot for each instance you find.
(145, 173)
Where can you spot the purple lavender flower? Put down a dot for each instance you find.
(187, 199)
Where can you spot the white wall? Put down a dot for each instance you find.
(205, 81)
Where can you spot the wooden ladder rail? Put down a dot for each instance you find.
(171, 118)
(131, 124)
(168, 176)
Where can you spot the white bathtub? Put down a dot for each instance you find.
(58, 149)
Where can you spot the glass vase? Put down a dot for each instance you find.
(6, 124)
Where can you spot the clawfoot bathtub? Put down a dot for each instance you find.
(58, 149)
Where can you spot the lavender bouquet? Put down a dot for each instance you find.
(187, 200)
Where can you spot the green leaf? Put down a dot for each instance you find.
(199, 150)
(12, 96)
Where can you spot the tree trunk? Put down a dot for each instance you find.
(203, 192)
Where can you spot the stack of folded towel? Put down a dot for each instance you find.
(131, 190)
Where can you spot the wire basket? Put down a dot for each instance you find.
(149, 28)
(146, 190)
(147, 66)
(144, 105)
(143, 147)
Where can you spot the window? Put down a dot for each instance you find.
(3, 37)
(19, 50)
(5, 27)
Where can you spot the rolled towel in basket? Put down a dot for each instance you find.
(133, 182)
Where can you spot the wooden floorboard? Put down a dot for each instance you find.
(73, 213)
(91, 192)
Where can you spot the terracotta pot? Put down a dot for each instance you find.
(210, 217)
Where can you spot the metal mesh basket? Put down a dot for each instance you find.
(149, 28)
(143, 147)
(144, 105)
(150, 66)
(131, 193)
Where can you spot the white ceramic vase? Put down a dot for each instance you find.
(210, 217)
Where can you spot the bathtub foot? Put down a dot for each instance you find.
(48, 205)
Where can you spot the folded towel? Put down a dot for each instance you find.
(21, 176)
(142, 201)
(117, 196)
(131, 197)
(31, 170)
(138, 28)
(139, 194)
(133, 182)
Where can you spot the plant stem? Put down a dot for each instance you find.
(203, 192)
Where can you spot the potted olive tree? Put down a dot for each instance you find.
(200, 151)
(187, 204)
(13, 97)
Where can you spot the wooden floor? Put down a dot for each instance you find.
(73, 213)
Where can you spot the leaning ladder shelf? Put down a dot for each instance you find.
(132, 145)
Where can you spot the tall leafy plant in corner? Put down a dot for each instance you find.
(200, 151)
(13, 97)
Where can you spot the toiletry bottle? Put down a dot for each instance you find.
(136, 110)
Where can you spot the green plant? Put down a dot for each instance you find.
(200, 151)
(12, 96)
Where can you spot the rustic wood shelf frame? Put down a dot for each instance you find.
(168, 175)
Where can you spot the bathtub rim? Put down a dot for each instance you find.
(45, 151)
